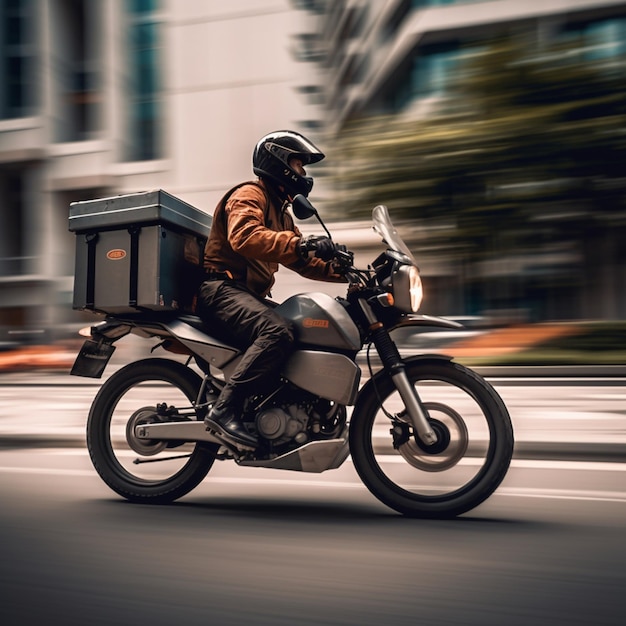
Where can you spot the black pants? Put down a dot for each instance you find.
(237, 316)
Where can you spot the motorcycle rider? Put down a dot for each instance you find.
(251, 234)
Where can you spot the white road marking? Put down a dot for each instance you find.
(517, 492)
(46, 471)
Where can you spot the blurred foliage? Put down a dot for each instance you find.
(528, 151)
(592, 337)
(592, 343)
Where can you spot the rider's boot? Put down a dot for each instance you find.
(225, 420)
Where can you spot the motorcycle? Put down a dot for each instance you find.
(428, 437)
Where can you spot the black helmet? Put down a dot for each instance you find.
(271, 159)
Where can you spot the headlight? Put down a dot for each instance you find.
(407, 288)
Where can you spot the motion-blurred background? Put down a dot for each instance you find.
(493, 129)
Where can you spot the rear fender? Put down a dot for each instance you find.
(108, 329)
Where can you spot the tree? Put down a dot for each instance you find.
(526, 156)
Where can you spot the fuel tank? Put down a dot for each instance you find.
(321, 321)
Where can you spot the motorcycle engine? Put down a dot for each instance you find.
(283, 424)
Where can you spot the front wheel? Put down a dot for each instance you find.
(464, 467)
(141, 470)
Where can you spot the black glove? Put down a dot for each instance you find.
(322, 247)
(325, 249)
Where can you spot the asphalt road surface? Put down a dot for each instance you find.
(257, 546)
(252, 546)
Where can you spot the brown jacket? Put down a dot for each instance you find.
(250, 235)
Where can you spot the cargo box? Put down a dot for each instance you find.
(137, 252)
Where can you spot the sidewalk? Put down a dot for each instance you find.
(48, 367)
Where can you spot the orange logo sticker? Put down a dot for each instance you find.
(116, 254)
(309, 322)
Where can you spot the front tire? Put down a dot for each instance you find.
(459, 472)
(148, 472)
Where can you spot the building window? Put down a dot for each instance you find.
(313, 94)
(314, 6)
(11, 218)
(308, 47)
(423, 4)
(144, 85)
(599, 40)
(430, 74)
(434, 70)
(17, 58)
(76, 62)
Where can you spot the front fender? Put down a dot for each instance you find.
(368, 393)
(425, 320)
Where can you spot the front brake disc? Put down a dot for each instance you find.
(451, 445)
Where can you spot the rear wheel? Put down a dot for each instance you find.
(145, 392)
(456, 474)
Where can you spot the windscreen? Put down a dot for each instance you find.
(388, 233)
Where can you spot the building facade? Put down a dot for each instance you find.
(400, 56)
(104, 97)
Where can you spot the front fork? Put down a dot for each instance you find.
(392, 362)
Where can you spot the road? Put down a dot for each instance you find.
(255, 546)
(267, 547)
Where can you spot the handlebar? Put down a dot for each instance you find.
(340, 254)
(344, 259)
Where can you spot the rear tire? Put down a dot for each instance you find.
(146, 472)
(473, 426)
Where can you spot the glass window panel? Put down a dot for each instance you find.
(144, 81)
